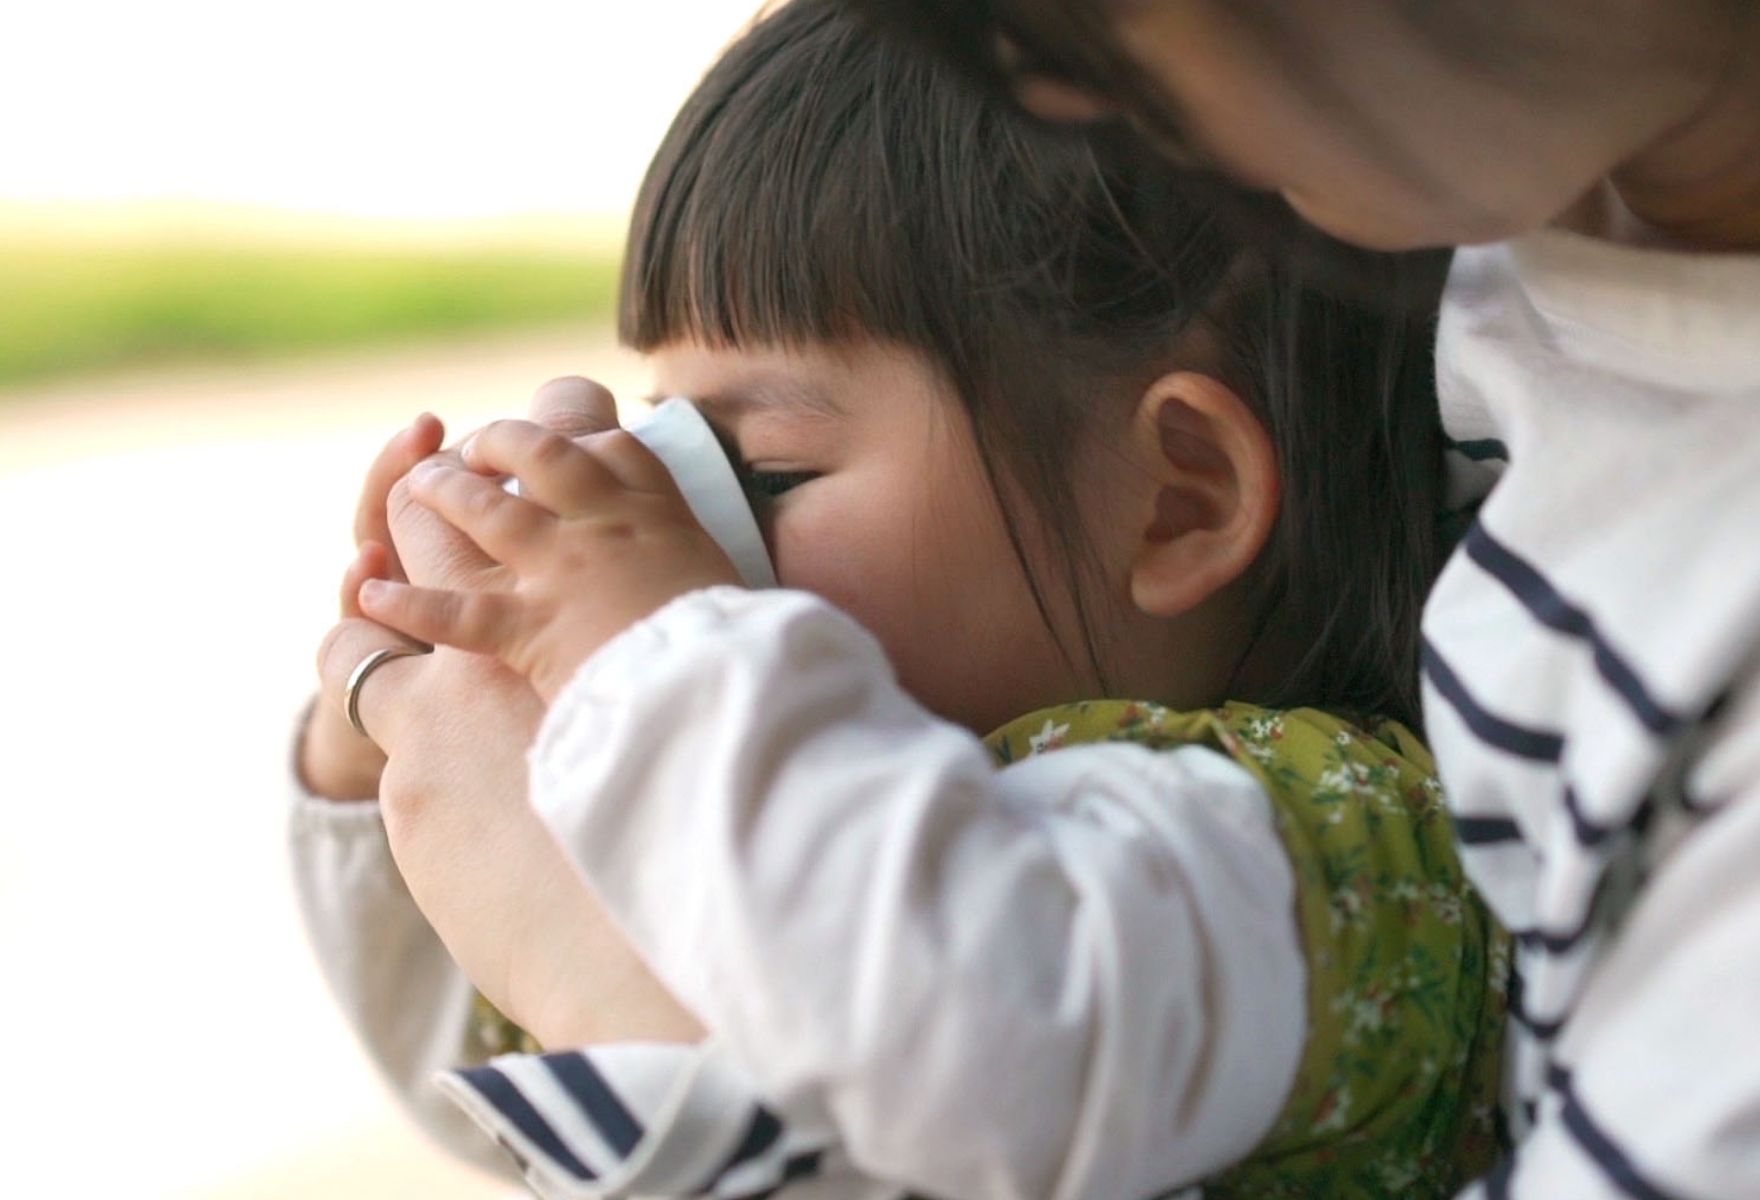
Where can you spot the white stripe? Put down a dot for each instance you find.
(554, 1103)
(705, 1113)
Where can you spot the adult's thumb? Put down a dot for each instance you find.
(574, 406)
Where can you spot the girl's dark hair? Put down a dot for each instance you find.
(823, 185)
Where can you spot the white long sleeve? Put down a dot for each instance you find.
(411, 1008)
(394, 981)
(1076, 976)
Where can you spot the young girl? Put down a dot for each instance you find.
(1033, 444)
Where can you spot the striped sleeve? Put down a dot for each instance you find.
(648, 1119)
(1653, 1092)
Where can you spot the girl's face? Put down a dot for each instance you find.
(1369, 128)
(867, 483)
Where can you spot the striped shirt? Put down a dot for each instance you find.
(1593, 697)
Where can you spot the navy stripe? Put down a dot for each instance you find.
(1545, 1031)
(1551, 609)
(1719, 703)
(1538, 745)
(1485, 831)
(1562, 942)
(1589, 832)
(1481, 449)
(615, 1123)
(1614, 1162)
(761, 1133)
(1518, 1011)
(797, 1166)
(499, 1091)
(1497, 1181)
(802, 1165)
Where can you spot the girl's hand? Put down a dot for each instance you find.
(334, 760)
(598, 538)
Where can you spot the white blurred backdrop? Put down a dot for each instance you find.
(383, 107)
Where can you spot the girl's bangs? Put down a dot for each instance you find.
(771, 215)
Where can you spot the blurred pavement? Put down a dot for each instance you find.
(173, 543)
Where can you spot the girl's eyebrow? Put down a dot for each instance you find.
(786, 396)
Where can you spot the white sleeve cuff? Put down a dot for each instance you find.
(642, 1119)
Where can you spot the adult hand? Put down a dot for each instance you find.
(333, 760)
(477, 860)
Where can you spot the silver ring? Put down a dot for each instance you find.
(351, 691)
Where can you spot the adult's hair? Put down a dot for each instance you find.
(823, 185)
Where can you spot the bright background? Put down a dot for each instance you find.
(239, 245)
(209, 179)
(397, 108)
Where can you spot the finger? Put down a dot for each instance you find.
(508, 529)
(552, 470)
(370, 562)
(407, 447)
(573, 406)
(432, 552)
(382, 695)
(630, 461)
(483, 622)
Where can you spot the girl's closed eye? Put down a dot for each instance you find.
(758, 484)
(768, 485)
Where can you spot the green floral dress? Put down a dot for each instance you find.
(1396, 1095)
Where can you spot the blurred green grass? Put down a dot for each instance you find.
(69, 307)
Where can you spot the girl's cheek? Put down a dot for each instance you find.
(790, 543)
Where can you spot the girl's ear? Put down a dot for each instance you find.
(1211, 495)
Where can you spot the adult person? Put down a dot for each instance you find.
(1592, 688)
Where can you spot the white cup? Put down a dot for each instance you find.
(679, 437)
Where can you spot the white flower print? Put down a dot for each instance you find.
(1048, 738)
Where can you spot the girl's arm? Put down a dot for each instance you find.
(1078, 976)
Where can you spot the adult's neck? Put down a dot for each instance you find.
(1696, 187)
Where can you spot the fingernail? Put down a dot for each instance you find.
(373, 589)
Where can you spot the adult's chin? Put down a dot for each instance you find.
(1407, 230)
